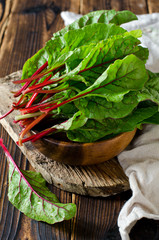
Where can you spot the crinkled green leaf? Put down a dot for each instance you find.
(77, 43)
(121, 77)
(101, 16)
(94, 130)
(135, 33)
(151, 89)
(87, 35)
(152, 120)
(33, 63)
(104, 54)
(28, 192)
(142, 53)
(70, 41)
(95, 59)
(77, 121)
(68, 110)
(99, 108)
(90, 34)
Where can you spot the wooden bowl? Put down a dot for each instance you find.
(72, 153)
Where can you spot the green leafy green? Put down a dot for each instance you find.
(28, 192)
(90, 34)
(35, 62)
(94, 83)
(151, 89)
(99, 108)
(128, 74)
(97, 129)
(101, 16)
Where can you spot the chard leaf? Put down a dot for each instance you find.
(33, 63)
(68, 110)
(90, 34)
(94, 130)
(152, 120)
(95, 59)
(99, 108)
(28, 193)
(142, 53)
(151, 89)
(87, 35)
(101, 16)
(135, 33)
(77, 121)
(109, 50)
(105, 53)
(128, 74)
(53, 48)
(100, 69)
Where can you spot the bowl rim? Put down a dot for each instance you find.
(51, 140)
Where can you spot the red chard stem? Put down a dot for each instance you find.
(6, 114)
(28, 83)
(35, 94)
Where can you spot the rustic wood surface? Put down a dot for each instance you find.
(25, 26)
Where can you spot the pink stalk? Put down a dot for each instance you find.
(43, 133)
(26, 139)
(76, 97)
(55, 81)
(49, 91)
(39, 70)
(6, 114)
(45, 98)
(19, 106)
(35, 94)
(40, 85)
(20, 100)
(28, 83)
(34, 77)
(24, 123)
(30, 126)
(37, 107)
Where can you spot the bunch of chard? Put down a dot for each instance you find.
(90, 78)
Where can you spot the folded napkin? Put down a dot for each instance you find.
(140, 160)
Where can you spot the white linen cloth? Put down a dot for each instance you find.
(140, 161)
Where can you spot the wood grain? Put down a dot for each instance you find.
(37, 26)
(153, 6)
(138, 7)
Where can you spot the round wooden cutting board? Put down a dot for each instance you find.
(104, 179)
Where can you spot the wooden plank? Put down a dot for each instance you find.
(153, 6)
(136, 6)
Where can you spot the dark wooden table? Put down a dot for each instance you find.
(25, 26)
